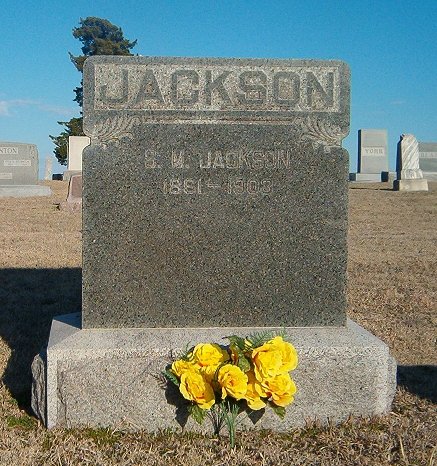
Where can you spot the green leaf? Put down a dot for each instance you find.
(197, 413)
(279, 410)
(259, 338)
(169, 375)
(243, 363)
(237, 342)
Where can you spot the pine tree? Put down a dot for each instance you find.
(99, 37)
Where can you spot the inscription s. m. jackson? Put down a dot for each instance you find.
(215, 88)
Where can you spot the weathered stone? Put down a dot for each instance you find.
(215, 192)
(428, 159)
(48, 168)
(111, 377)
(76, 145)
(409, 174)
(19, 171)
(74, 197)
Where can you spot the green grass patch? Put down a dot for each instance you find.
(24, 422)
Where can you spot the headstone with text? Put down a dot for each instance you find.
(214, 203)
(372, 156)
(428, 159)
(19, 170)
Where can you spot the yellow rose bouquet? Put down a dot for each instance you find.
(247, 375)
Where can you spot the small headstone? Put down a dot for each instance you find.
(76, 145)
(74, 197)
(372, 156)
(428, 159)
(409, 174)
(48, 168)
(19, 171)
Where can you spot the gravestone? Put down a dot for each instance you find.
(48, 168)
(409, 175)
(76, 145)
(372, 156)
(74, 197)
(214, 203)
(428, 159)
(19, 171)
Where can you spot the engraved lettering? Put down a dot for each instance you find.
(149, 89)
(150, 159)
(8, 150)
(231, 160)
(182, 91)
(284, 158)
(286, 88)
(253, 84)
(218, 160)
(319, 97)
(216, 85)
(125, 90)
(178, 159)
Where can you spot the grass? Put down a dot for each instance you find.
(392, 292)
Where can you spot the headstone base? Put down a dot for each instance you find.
(369, 177)
(69, 173)
(410, 185)
(25, 191)
(111, 377)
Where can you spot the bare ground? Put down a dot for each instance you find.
(392, 292)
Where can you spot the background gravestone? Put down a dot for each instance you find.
(428, 159)
(215, 193)
(409, 176)
(372, 156)
(18, 163)
(76, 145)
(19, 170)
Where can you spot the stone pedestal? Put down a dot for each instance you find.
(369, 177)
(410, 185)
(69, 173)
(111, 377)
(25, 191)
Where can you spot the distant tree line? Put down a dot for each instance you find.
(99, 37)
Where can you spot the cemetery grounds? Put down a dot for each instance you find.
(392, 292)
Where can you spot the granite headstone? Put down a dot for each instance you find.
(428, 159)
(215, 192)
(214, 204)
(372, 156)
(19, 171)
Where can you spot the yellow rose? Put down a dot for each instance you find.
(280, 389)
(180, 366)
(274, 358)
(233, 381)
(209, 354)
(254, 392)
(195, 388)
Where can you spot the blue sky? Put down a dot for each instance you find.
(390, 46)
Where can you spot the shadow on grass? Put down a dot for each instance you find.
(419, 380)
(29, 299)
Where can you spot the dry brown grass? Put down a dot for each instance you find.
(392, 292)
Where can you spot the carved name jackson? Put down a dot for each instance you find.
(215, 88)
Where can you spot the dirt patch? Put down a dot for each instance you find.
(392, 292)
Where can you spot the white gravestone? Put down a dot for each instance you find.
(409, 174)
(428, 159)
(76, 145)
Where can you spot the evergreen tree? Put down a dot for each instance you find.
(99, 37)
